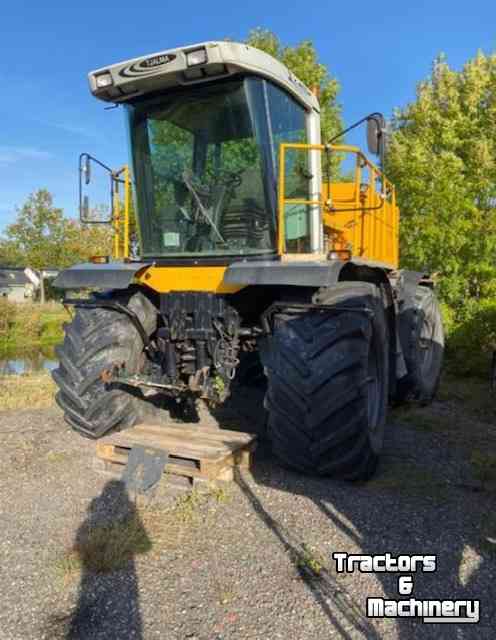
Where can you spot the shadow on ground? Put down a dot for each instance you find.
(105, 547)
(414, 505)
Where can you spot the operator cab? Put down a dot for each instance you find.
(205, 124)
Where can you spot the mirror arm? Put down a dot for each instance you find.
(86, 208)
(93, 159)
(84, 164)
(354, 126)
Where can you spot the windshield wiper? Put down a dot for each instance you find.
(206, 215)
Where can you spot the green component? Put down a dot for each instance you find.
(218, 384)
(296, 222)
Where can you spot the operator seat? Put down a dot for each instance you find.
(244, 221)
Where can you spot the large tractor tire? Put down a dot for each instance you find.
(328, 383)
(95, 340)
(422, 341)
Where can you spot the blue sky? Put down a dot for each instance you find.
(378, 52)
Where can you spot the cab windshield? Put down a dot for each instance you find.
(204, 171)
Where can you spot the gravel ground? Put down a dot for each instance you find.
(250, 561)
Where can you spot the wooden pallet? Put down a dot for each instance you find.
(196, 452)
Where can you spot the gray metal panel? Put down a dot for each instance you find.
(164, 70)
(114, 275)
(373, 264)
(300, 274)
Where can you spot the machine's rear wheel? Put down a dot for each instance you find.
(328, 383)
(96, 339)
(422, 336)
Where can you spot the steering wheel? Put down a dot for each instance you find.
(230, 178)
(206, 184)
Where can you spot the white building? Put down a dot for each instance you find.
(15, 285)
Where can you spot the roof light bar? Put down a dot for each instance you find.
(198, 56)
(103, 80)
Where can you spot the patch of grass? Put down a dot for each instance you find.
(309, 562)
(420, 419)
(425, 419)
(30, 391)
(27, 325)
(103, 548)
(471, 337)
(470, 394)
(69, 566)
(458, 400)
(187, 506)
(225, 593)
(217, 493)
(484, 467)
(410, 479)
(56, 456)
(464, 415)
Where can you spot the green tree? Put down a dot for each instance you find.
(302, 60)
(42, 237)
(442, 158)
(35, 238)
(9, 254)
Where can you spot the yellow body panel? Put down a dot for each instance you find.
(120, 213)
(360, 217)
(200, 278)
(369, 231)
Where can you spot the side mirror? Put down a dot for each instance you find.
(86, 168)
(102, 211)
(376, 131)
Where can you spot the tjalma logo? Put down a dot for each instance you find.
(147, 65)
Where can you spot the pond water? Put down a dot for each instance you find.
(30, 362)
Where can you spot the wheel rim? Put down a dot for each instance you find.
(426, 347)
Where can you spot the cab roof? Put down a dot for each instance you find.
(194, 64)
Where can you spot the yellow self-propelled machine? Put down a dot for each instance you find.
(248, 245)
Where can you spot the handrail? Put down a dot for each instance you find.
(117, 180)
(127, 187)
(362, 202)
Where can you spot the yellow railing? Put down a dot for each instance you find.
(120, 218)
(360, 217)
